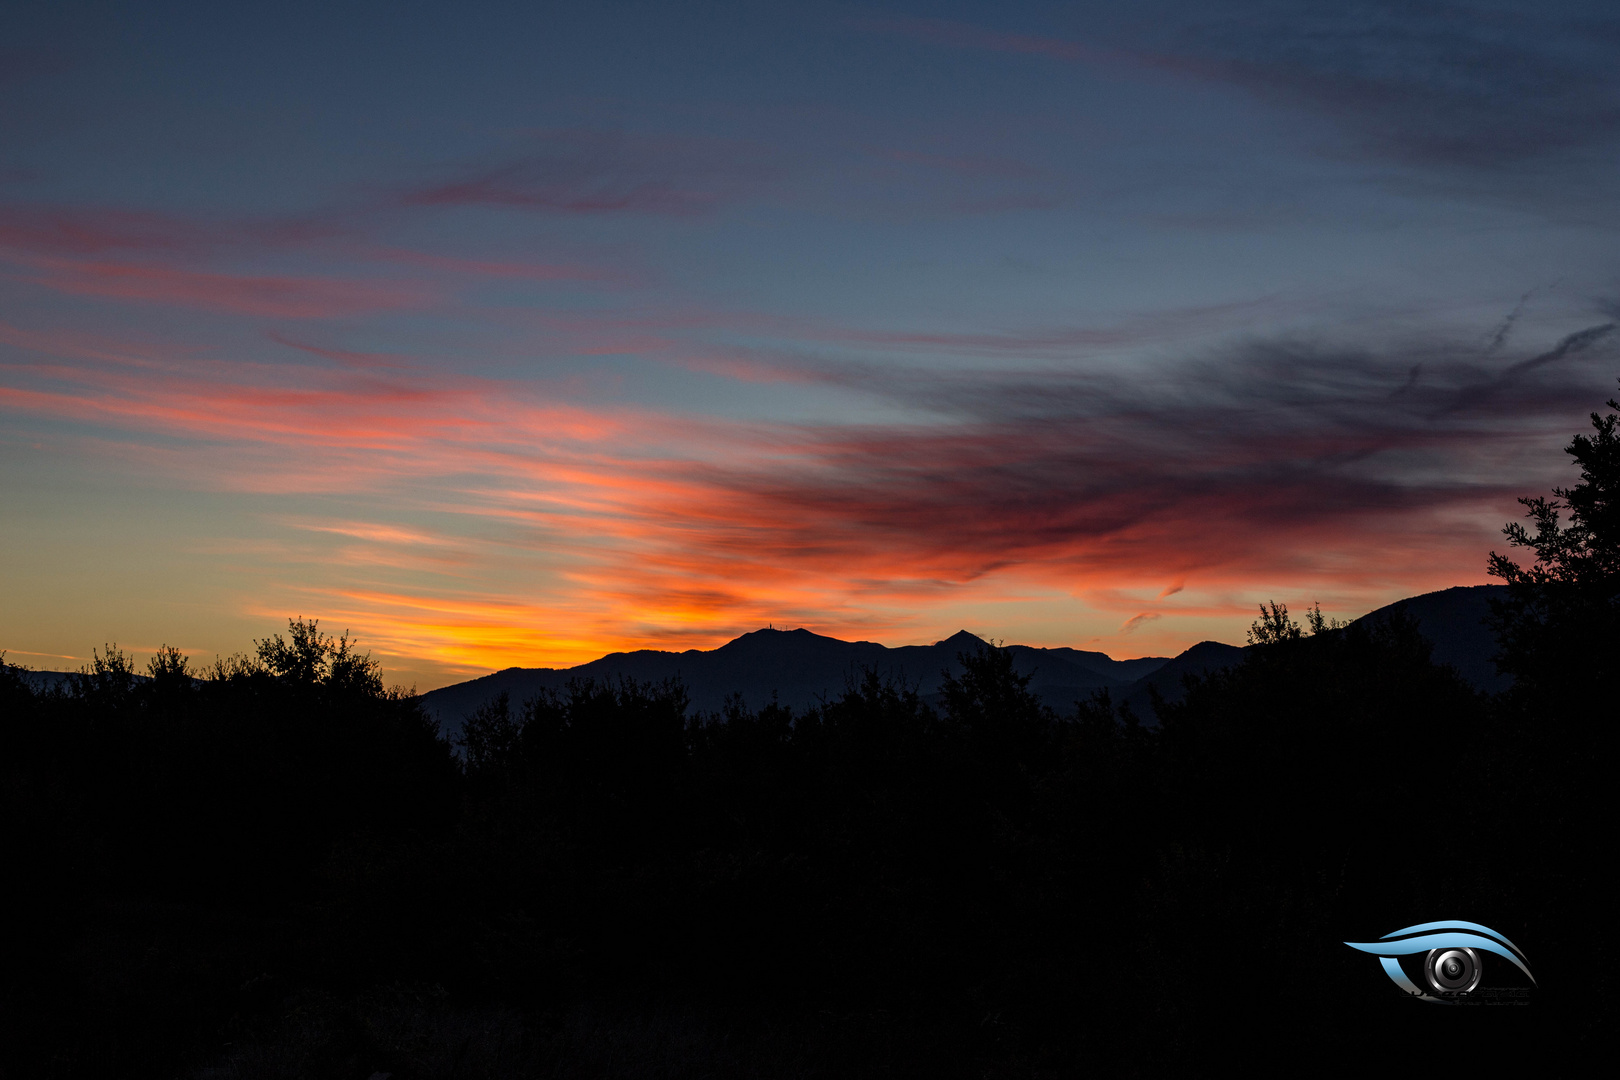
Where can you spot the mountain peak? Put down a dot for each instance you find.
(961, 640)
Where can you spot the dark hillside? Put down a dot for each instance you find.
(1454, 622)
(1202, 659)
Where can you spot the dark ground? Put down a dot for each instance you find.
(284, 873)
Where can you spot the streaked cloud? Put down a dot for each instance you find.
(1470, 85)
(280, 296)
(599, 172)
(1479, 86)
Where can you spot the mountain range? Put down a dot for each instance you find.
(800, 669)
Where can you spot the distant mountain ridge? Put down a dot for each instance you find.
(801, 669)
(45, 682)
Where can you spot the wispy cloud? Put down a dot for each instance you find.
(1060, 341)
(83, 230)
(165, 259)
(1477, 86)
(281, 296)
(1281, 454)
(593, 172)
(1136, 621)
(1480, 86)
(511, 269)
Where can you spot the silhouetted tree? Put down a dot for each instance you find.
(1559, 627)
(106, 684)
(14, 689)
(311, 658)
(489, 735)
(1318, 623)
(1554, 746)
(992, 703)
(1273, 626)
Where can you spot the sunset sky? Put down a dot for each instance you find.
(517, 334)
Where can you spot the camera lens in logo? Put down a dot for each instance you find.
(1451, 952)
(1452, 971)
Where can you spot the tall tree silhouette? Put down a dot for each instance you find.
(1558, 633)
(1559, 626)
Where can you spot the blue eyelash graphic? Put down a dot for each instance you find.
(1452, 967)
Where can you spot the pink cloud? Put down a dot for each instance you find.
(347, 357)
(80, 231)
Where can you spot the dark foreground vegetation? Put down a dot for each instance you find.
(275, 868)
